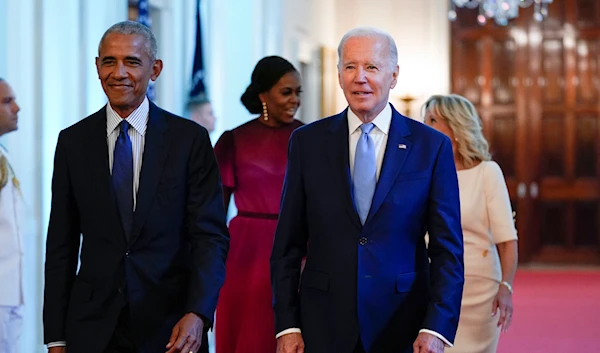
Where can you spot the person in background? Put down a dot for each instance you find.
(490, 238)
(361, 189)
(201, 111)
(11, 243)
(252, 158)
(137, 238)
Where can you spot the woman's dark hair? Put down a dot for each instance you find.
(265, 75)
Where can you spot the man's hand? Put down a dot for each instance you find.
(503, 303)
(428, 343)
(187, 335)
(62, 349)
(290, 343)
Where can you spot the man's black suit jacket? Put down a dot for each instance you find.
(174, 262)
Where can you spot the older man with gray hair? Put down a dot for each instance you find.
(361, 190)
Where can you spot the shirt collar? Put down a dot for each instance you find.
(382, 121)
(138, 119)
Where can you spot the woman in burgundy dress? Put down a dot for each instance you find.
(252, 159)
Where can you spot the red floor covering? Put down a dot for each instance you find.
(555, 311)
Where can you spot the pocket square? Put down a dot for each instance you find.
(402, 146)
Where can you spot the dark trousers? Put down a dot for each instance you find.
(122, 339)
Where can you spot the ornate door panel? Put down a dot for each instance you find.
(537, 88)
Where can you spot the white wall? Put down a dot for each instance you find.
(233, 47)
(175, 30)
(308, 26)
(3, 10)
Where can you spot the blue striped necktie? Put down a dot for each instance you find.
(122, 177)
(365, 172)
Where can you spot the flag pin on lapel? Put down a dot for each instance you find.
(402, 146)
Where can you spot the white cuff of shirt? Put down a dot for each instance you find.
(57, 344)
(438, 336)
(289, 330)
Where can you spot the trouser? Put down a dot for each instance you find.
(11, 323)
(122, 340)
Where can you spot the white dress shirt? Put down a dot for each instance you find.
(379, 134)
(138, 120)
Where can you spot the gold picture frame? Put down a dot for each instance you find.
(329, 81)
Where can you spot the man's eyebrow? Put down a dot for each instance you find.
(133, 58)
(129, 58)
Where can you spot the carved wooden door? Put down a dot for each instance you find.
(537, 89)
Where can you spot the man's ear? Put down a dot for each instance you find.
(157, 67)
(98, 66)
(395, 76)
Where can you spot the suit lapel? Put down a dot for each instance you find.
(339, 158)
(396, 150)
(153, 160)
(96, 149)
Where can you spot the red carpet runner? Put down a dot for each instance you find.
(555, 311)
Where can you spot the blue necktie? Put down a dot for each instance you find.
(365, 172)
(122, 177)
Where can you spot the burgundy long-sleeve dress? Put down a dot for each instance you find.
(252, 159)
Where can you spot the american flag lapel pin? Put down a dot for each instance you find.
(402, 146)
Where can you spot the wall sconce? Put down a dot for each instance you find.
(407, 100)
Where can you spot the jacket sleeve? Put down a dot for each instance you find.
(290, 243)
(207, 228)
(62, 247)
(445, 247)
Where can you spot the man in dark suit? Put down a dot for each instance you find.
(141, 188)
(361, 190)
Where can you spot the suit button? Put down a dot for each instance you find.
(362, 241)
(127, 253)
(120, 290)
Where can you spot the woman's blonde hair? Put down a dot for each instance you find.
(462, 118)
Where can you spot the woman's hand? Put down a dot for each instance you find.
(504, 306)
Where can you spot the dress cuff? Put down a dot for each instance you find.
(289, 330)
(57, 344)
(438, 336)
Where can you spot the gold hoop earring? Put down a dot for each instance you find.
(265, 112)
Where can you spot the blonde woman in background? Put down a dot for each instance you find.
(490, 238)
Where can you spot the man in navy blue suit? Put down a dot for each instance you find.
(137, 202)
(361, 190)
